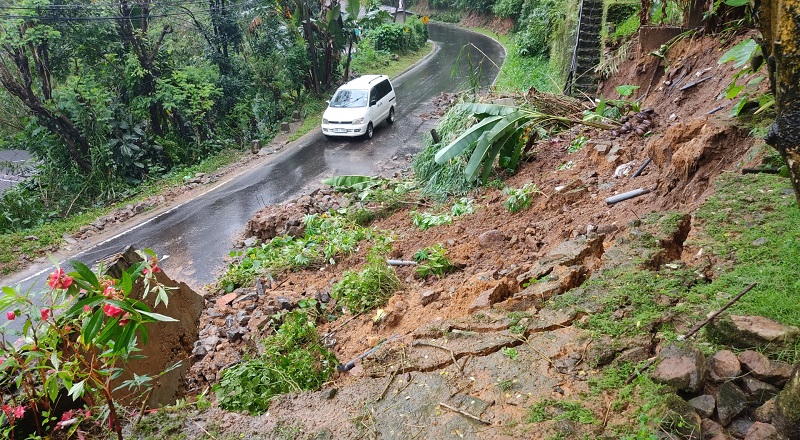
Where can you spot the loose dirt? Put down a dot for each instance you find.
(456, 350)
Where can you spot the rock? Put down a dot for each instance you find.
(250, 241)
(753, 331)
(323, 297)
(284, 303)
(489, 297)
(633, 355)
(711, 428)
(428, 296)
(761, 431)
(224, 300)
(234, 334)
(248, 297)
(242, 318)
(681, 418)
(786, 418)
(755, 362)
(760, 241)
(330, 393)
(731, 401)
(683, 368)
(764, 412)
(199, 352)
(779, 373)
(491, 238)
(723, 366)
(739, 427)
(704, 405)
(758, 391)
(572, 252)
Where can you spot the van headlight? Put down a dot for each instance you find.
(358, 121)
(324, 121)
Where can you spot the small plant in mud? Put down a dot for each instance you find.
(514, 325)
(433, 261)
(73, 338)
(520, 198)
(566, 166)
(427, 220)
(326, 236)
(292, 360)
(577, 144)
(371, 287)
(512, 353)
(560, 410)
(506, 384)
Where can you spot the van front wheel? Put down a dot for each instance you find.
(369, 132)
(390, 118)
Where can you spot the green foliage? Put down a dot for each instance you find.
(577, 144)
(512, 353)
(446, 17)
(426, 220)
(519, 199)
(549, 409)
(368, 289)
(499, 135)
(399, 38)
(326, 236)
(626, 90)
(538, 19)
(367, 57)
(76, 335)
(742, 55)
(292, 360)
(433, 261)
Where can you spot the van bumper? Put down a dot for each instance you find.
(344, 130)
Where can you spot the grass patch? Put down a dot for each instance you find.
(753, 223)
(549, 409)
(293, 360)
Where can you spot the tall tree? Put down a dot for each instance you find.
(780, 28)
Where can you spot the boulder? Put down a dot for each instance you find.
(758, 391)
(787, 407)
(755, 363)
(761, 431)
(683, 368)
(723, 365)
(752, 331)
(704, 405)
(731, 401)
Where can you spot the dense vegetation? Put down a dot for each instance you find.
(107, 95)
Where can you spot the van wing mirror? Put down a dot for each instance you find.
(372, 102)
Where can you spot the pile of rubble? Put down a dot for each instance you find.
(732, 395)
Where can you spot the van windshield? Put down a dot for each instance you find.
(349, 98)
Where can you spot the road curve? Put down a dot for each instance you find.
(198, 234)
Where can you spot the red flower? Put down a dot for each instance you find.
(11, 315)
(19, 412)
(59, 279)
(112, 310)
(125, 319)
(110, 292)
(45, 314)
(87, 308)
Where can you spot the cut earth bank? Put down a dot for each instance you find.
(540, 332)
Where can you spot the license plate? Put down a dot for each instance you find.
(339, 130)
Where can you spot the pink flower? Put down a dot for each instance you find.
(87, 308)
(125, 319)
(19, 412)
(59, 279)
(112, 310)
(11, 315)
(110, 292)
(45, 314)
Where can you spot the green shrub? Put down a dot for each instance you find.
(520, 198)
(370, 288)
(399, 38)
(293, 360)
(433, 261)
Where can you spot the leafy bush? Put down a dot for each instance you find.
(366, 57)
(76, 336)
(536, 23)
(293, 360)
(370, 288)
(446, 17)
(519, 198)
(399, 38)
(440, 181)
(433, 261)
(325, 237)
(426, 220)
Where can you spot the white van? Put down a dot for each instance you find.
(358, 106)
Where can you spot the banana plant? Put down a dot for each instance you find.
(498, 134)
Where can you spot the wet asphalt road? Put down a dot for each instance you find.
(199, 234)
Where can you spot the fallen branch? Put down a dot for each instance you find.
(694, 83)
(714, 315)
(637, 372)
(386, 388)
(452, 355)
(466, 414)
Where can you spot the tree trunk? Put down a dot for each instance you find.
(780, 28)
(347, 63)
(312, 48)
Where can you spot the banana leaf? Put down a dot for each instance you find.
(465, 140)
(509, 122)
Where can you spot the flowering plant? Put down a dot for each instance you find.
(74, 338)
